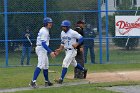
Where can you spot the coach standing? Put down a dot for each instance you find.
(79, 57)
(89, 36)
(27, 47)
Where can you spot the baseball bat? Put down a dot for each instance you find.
(29, 40)
(126, 42)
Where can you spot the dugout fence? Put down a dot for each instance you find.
(15, 15)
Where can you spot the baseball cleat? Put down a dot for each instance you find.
(33, 84)
(48, 83)
(59, 81)
(85, 73)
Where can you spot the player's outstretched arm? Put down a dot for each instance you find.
(48, 49)
(53, 55)
(57, 51)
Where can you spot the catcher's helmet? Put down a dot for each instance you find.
(47, 20)
(66, 23)
(80, 22)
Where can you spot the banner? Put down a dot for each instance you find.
(127, 25)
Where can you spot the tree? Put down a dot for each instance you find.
(18, 21)
(121, 42)
(60, 6)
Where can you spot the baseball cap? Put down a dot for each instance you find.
(80, 22)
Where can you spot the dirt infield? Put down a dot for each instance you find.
(113, 76)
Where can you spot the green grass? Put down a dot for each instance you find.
(85, 88)
(15, 57)
(13, 77)
(16, 77)
(90, 88)
(115, 56)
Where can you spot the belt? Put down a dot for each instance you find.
(68, 49)
(38, 45)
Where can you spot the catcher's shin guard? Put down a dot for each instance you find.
(78, 74)
(85, 73)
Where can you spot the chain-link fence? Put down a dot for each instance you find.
(16, 15)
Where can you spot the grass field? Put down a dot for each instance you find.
(71, 89)
(115, 56)
(16, 77)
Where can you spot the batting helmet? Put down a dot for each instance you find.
(66, 23)
(47, 20)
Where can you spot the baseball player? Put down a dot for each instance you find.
(68, 42)
(42, 50)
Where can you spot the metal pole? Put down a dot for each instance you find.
(45, 8)
(100, 29)
(6, 32)
(107, 40)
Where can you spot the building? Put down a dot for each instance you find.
(113, 4)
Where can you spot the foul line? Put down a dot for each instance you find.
(41, 87)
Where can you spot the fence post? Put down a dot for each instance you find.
(107, 39)
(100, 29)
(45, 8)
(6, 31)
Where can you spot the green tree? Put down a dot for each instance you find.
(121, 42)
(18, 21)
(80, 6)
